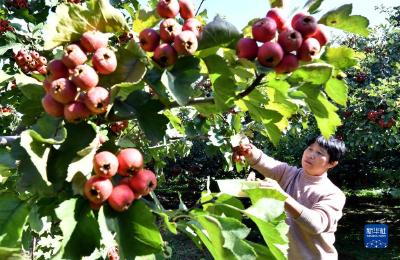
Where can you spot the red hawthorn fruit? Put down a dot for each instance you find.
(264, 30)
(149, 39)
(322, 34)
(167, 8)
(85, 77)
(288, 64)
(73, 56)
(143, 182)
(270, 54)
(105, 164)
(186, 9)
(63, 90)
(104, 61)
(121, 198)
(57, 69)
(290, 40)
(169, 29)
(91, 41)
(52, 107)
(372, 115)
(247, 48)
(297, 16)
(185, 43)
(98, 189)
(308, 50)
(119, 126)
(97, 100)
(194, 25)
(391, 122)
(277, 15)
(76, 111)
(130, 161)
(165, 55)
(306, 25)
(347, 114)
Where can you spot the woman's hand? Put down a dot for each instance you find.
(243, 151)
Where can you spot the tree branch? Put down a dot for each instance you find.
(204, 100)
(253, 85)
(194, 101)
(5, 140)
(198, 9)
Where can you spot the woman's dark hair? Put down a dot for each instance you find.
(335, 148)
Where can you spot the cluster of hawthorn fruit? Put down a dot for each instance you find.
(135, 182)
(283, 44)
(379, 118)
(177, 39)
(31, 62)
(71, 84)
(5, 26)
(18, 4)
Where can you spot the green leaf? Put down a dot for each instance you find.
(313, 5)
(268, 213)
(254, 103)
(78, 143)
(223, 85)
(70, 21)
(219, 208)
(13, 215)
(136, 231)
(30, 87)
(337, 90)
(6, 162)
(316, 73)
(37, 151)
(262, 252)
(234, 233)
(4, 76)
(145, 19)
(276, 3)
(267, 204)
(175, 121)
(340, 18)
(5, 48)
(219, 33)
(180, 85)
(8, 253)
(83, 162)
(30, 179)
(49, 130)
(153, 79)
(130, 66)
(81, 235)
(341, 57)
(324, 111)
(139, 105)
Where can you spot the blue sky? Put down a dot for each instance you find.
(239, 12)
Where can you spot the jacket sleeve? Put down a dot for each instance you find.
(271, 168)
(324, 215)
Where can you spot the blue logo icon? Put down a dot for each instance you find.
(376, 236)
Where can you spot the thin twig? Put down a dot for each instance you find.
(194, 101)
(253, 85)
(198, 9)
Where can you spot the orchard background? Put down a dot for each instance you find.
(184, 111)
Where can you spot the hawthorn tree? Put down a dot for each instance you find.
(77, 73)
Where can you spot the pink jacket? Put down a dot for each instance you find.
(312, 234)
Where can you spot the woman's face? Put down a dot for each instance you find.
(315, 160)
